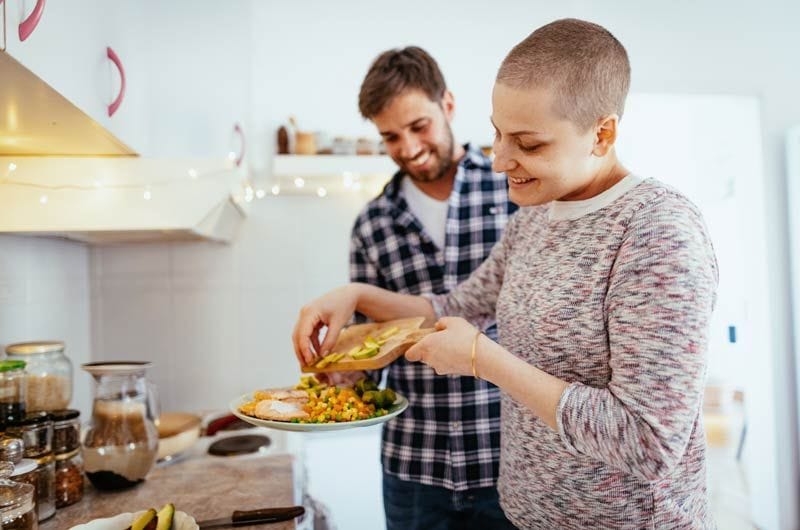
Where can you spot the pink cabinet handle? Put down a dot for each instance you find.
(117, 102)
(29, 24)
(238, 129)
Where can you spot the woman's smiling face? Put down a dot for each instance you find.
(544, 156)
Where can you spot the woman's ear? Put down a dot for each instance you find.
(605, 135)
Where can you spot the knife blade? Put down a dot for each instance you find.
(248, 517)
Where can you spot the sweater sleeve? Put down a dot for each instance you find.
(475, 299)
(658, 306)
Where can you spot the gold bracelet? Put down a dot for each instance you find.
(474, 352)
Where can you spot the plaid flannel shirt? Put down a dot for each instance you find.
(450, 434)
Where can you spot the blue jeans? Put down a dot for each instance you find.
(414, 506)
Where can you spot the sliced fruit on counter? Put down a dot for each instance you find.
(165, 516)
(147, 521)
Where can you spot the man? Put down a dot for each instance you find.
(432, 225)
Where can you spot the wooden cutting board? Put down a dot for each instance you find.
(408, 334)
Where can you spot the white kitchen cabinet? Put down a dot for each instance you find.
(186, 68)
(67, 48)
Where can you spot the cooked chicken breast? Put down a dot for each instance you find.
(273, 409)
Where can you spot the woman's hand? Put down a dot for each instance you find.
(332, 310)
(449, 350)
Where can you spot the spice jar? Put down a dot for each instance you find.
(69, 480)
(16, 502)
(36, 431)
(12, 450)
(49, 374)
(12, 392)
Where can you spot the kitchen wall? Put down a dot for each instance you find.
(44, 294)
(215, 319)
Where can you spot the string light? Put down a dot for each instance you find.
(248, 194)
(299, 182)
(147, 194)
(276, 189)
(321, 192)
(43, 199)
(192, 173)
(260, 193)
(11, 167)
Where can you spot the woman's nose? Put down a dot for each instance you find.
(502, 163)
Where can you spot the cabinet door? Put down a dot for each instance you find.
(199, 78)
(65, 45)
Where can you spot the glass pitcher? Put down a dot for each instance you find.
(120, 442)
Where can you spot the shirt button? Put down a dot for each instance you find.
(455, 425)
(493, 210)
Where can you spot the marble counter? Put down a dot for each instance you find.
(206, 488)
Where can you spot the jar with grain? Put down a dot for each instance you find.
(36, 432)
(49, 374)
(17, 510)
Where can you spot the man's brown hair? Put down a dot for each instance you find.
(583, 63)
(396, 71)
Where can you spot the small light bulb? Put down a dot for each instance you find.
(276, 189)
(248, 194)
(260, 193)
(147, 195)
(11, 167)
(299, 182)
(357, 186)
(231, 155)
(43, 199)
(347, 178)
(192, 173)
(322, 192)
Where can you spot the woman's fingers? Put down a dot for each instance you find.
(301, 336)
(414, 353)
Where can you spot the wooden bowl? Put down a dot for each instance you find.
(177, 431)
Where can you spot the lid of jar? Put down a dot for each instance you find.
(33, 419)
(6, 366)
(64, 414)
(33, 348)
(11, 449)
(26, 465)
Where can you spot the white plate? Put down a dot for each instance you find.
(181, 521)
(400, 404)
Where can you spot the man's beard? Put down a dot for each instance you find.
(444, 162)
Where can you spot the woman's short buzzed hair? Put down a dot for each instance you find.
(583, 63)
(396, 71)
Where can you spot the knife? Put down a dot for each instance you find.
(248, 517)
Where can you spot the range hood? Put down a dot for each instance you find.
(63, 174)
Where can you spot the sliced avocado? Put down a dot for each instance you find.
(165, 516)
(143, 520)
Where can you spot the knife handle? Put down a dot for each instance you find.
(266, 515)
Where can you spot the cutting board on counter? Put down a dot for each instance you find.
(409, 333)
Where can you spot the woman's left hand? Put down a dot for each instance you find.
(449, 350)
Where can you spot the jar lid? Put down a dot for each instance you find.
(64, 414)
(6, 366)
(33, 348)
(32, 419)
(13, 495)
(26, 465)
(11, 449)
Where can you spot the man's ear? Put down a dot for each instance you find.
(448, 105)
(605, 135)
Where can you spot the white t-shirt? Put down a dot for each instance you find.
(431, 213)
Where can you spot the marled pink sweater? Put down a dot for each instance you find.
(617, 303)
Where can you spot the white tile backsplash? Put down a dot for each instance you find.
(216, 320)
(44, 294)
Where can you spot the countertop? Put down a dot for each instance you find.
(206, 488)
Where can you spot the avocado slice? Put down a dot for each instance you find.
(165, 516)
(142, 522)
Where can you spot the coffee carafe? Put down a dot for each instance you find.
(120, 443)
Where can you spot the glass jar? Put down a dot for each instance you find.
(36, 432)
(120, 442)
(17, 510)
(69, 478)
(66, 431)
(12, 392)
(49, 374)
